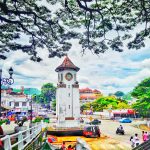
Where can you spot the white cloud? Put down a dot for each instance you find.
(109, 72)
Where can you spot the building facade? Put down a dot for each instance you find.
(89, 95)
(67, 94)
(18, 101)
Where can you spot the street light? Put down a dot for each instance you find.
(5, 81)
(29, 97)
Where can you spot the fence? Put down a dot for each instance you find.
(20, 140)
(143, 146)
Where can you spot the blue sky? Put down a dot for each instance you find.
(109, 72)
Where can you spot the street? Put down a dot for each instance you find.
(108, 127)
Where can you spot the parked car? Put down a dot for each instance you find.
(91, 131)
(125, 120)
(95, 122)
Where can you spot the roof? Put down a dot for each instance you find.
(88, 97)
(67, 64)
(96, 91)
(86, 90)
(27, 91)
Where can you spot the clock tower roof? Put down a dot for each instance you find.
(67, 65)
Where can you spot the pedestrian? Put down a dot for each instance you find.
(70, 148)
(1, 145)
(145, 137)
(132, 142)
(136, 140)
(63, 146)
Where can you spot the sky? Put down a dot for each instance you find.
(108, 72)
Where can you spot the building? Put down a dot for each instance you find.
(89, 95)
(17, 101)
(67, 94)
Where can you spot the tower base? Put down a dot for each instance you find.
(68, 124)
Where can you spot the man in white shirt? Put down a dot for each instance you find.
(136, 140)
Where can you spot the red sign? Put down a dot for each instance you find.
(131, 111)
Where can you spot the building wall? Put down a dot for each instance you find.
(67, 98)
(9, 101)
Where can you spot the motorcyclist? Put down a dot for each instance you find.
(120, 127)
(120, 130)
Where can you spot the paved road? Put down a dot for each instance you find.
(108, 127)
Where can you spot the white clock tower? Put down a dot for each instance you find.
(67, 94)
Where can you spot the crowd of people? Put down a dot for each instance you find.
(135, 140)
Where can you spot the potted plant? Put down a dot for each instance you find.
(35, 121)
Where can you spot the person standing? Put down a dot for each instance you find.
(63, 147)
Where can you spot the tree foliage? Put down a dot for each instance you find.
(142, 93)
(108, 102)
(54, 105)
(90, 21)
(119, 94)
(48, 92)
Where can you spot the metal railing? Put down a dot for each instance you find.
(143, 146)
(21, 139)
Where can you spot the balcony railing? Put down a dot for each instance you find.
(22, 138)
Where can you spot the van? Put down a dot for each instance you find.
(91, 131)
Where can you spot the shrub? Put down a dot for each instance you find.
(38, 119)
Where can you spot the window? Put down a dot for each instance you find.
(16, 103)
(23, 103)
(69, 94)
(58, 78)
(61, 77)
(74, 77)
(69, 86)
(9, 103)
(69, 106)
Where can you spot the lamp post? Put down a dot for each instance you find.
(31, 112)
(5, 81)
(30, 102)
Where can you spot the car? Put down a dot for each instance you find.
(91, 131)
(125, 120)
(95, 122)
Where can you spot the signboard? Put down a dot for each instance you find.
(17, 110)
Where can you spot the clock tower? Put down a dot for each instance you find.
(67, 94)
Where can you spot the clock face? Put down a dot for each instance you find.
(69, 76)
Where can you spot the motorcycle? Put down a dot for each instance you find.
(120, 131)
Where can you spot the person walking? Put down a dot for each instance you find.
(132, 142)
(145, 137)
(136, 140)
